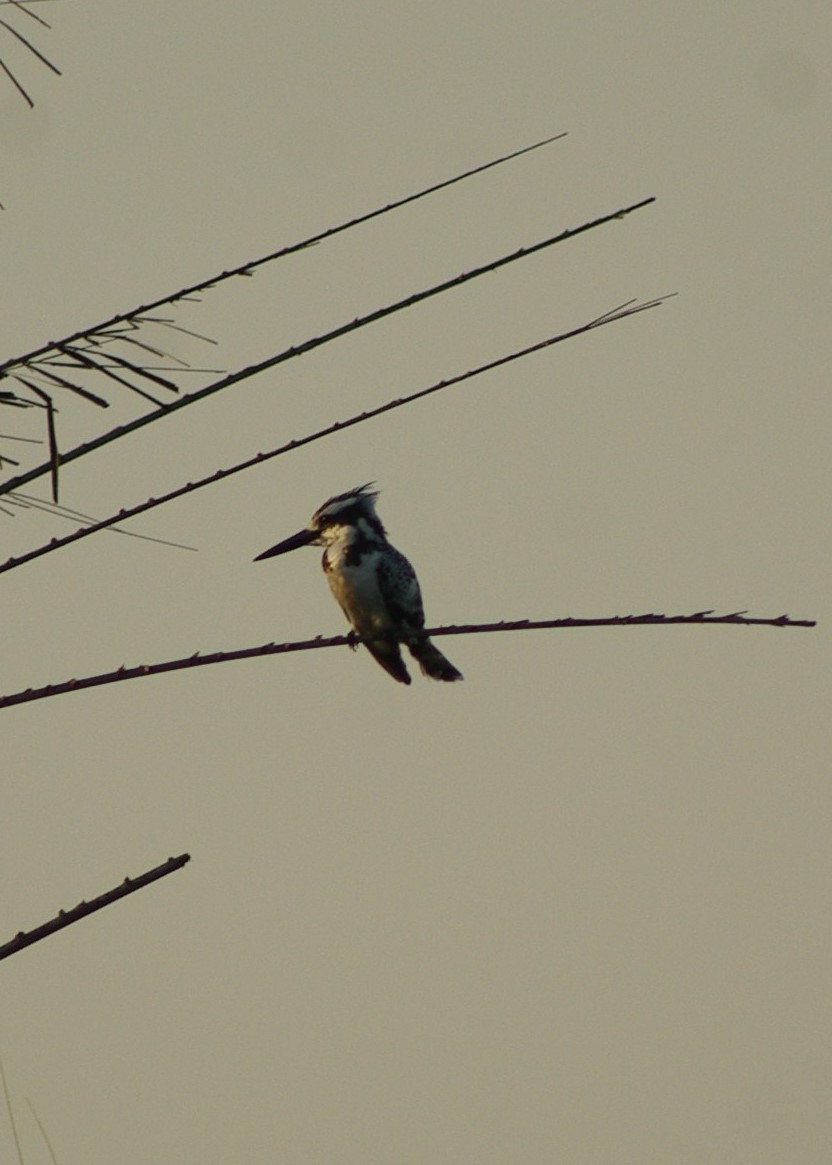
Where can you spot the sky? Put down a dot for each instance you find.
(576, 907)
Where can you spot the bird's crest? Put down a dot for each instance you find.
(347, 508)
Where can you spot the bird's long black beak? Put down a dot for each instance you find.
(302, 538)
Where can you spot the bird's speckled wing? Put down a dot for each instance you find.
(400, 589)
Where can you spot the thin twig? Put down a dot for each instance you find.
(35, 52)
(32, 49)
(92, 397)
(17, 86)
(622, 312)
(27, 502)
(67, 917)
(10, 1112)
(737, 618)
(54, 456)
(21, 6)
(43, 1132)
(77, 356)
(325, 338)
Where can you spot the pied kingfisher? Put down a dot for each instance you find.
(374, 584)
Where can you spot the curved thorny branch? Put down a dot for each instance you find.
(737, 618)
(619, 313)
(130, 350)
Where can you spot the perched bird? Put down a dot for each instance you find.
(374, 584)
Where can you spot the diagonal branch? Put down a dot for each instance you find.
(289, 249)
(124, 321)
(622, 312)
(43, 1132)
(118, 328)
(17, 86)
(326, 337)
(19, 7)
(25, 41)
(67, 917)
(737, 618)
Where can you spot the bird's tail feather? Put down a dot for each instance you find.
(388, 654)
(432, 662)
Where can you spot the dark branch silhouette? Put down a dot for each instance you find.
(737, 618)
(76, 351)
(42, 1130)
(324, 338)
(253, 264)
(20, 7)
(67, 917)
(622, 312)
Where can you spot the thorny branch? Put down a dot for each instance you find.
(67, 917)
(737, 618)
(289, 249)
(621, 312)
(81, 351)
(325, 338)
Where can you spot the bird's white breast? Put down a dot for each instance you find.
(356, 588)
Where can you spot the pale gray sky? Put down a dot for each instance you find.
(576, 908)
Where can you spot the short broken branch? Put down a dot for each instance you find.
(67, 917)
